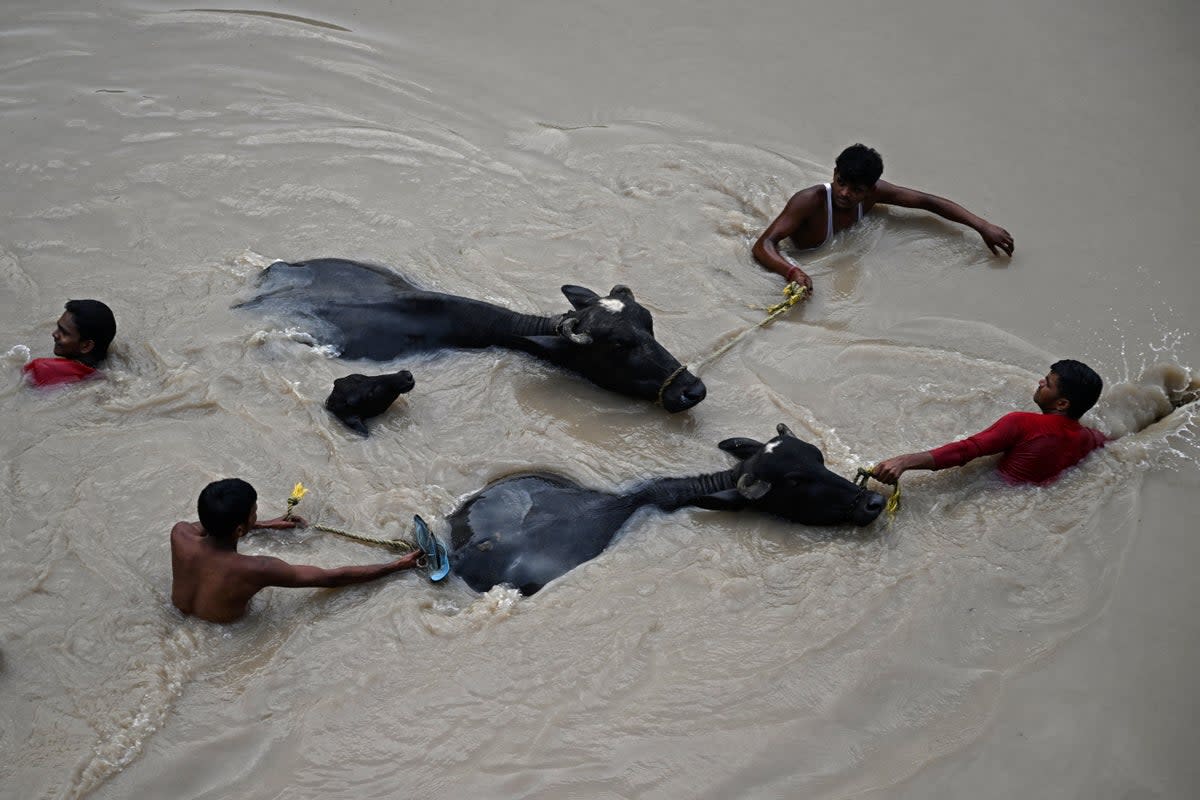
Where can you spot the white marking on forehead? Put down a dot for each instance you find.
(612, 305)
(770, 446)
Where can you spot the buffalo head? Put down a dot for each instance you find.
(787, 477)
(357, 397)
(611, 343)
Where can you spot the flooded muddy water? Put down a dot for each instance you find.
(989, 642)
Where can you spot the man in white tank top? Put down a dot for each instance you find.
(814, 214)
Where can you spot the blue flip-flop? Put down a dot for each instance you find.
(435, 551)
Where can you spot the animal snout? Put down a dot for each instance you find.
(403, 381)
(868, 508)
(684, 392)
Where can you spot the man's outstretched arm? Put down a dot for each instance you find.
(889, 471)
(1000, 436)
(766, 249)
(275, 572)
(993, 235)
(281, 523)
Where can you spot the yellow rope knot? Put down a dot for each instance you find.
(893, 501)
(793, 293)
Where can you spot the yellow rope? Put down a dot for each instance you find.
(793, 294)
(893, 501)
(396, 544)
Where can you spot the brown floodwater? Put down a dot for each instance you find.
(989, 642)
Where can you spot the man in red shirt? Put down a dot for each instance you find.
(81, 339)
(1036, 447)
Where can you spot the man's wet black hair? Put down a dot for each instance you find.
(95, 321)
(1079, 383)
(225, 504)
(859, 165)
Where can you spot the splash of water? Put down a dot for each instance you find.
(1131, 406)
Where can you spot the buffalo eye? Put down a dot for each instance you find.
(620, 343)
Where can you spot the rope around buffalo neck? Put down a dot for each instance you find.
(893, 501)
(793, 294)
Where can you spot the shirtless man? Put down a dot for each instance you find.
(814, 214)
(1036, 447)
(81, 339)
(212, 581)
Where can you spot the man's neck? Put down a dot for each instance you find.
(228, 545)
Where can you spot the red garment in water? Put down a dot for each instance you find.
(53, 371)
(1036, 447)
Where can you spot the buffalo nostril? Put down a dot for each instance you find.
(689, 397)
(869, 508)
(683, 393)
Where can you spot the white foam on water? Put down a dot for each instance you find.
(269, 338)
(18, 355)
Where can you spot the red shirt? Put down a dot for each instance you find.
(1036, 447)
(53, 371)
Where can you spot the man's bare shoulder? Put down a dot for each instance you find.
(803, 204)
(809, 195)
(185, 533)
(891, 194)
(262, 570)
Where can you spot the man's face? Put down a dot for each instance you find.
(251, 521)
(67, 342)
(1047, 395)
(847, 195)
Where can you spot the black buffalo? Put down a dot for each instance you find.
(369, 312)
(359, 397)
(527, 530)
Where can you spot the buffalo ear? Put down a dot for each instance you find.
(622, 292)
(579, 297)
(741, 447)
(727, 500)
(784, 430)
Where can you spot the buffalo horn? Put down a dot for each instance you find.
(751, 487)
(567, 329)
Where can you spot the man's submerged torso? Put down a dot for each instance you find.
(55, 371)
(818, 229)
(1037, 447)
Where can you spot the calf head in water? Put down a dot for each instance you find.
(359, 397)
